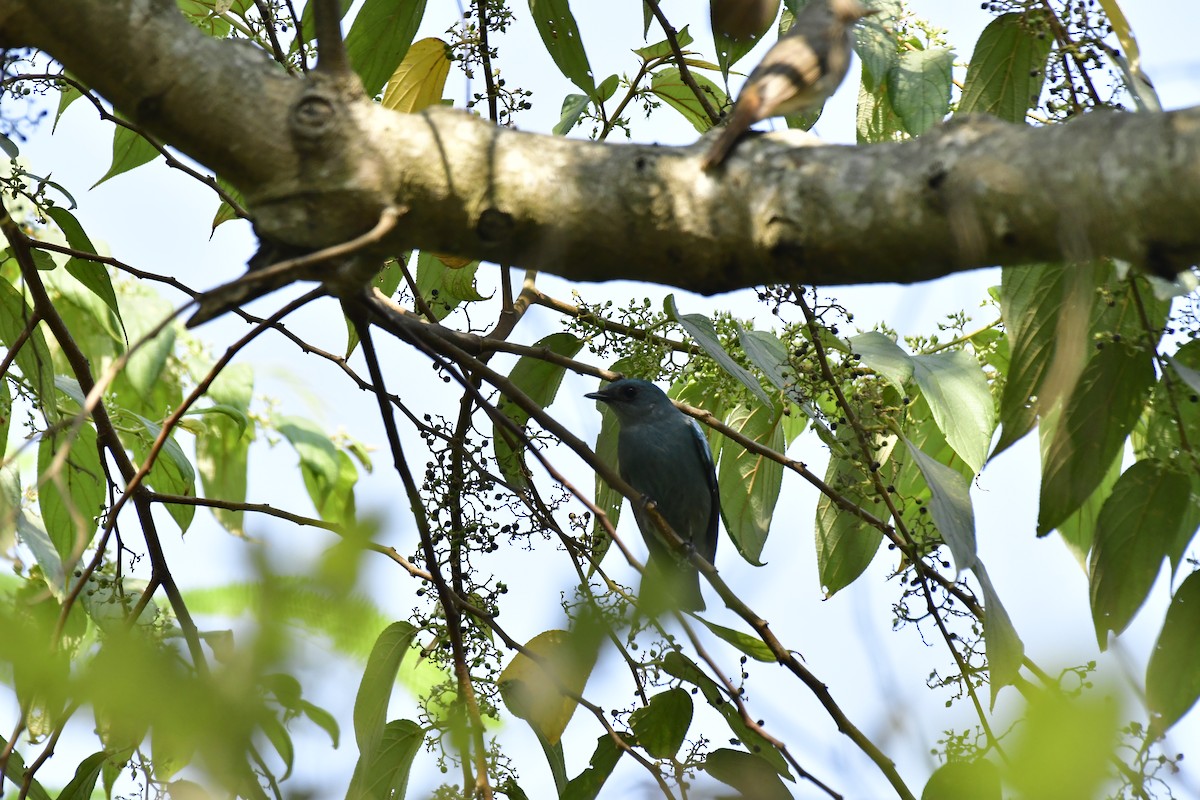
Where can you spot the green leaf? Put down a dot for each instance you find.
(222, 451)
(81, 490)
(663, 49)
(225, 212)
(846, 543)
(964, 780)
(32, 535)
(145, 367)
(875, 119)
(308, 22)
(730, 50)
(749, 482)
(86, 774)
(952, 383)
(380, 37)
(539, 380)
(766, 352)
(587, 784)
(445, 288)
(146, 386)
(91, 274)
(750, 645)
(1091, 432)
(679, 665)
(34, 356)
(919, 88)
(67, 94)
(386, 774)
(750, 774)
(1007, 68)
(1005, 651)
(277, 734)
(1188, 375)
(1173, 674)
(5, 425)
(573, 107)
(323, 720)
(702, 330)
(1031, 302)
(172, 472)
(875, 44)
(1136, 530)
(318, 454)
(950, 505)
(540, 684)
(957, 391)
(375, 689)
(1078, 531)
(560, 34)
(667, 84)
(14, 769)
(661, 725)
(129, 151)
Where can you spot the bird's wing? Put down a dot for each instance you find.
(709, 551)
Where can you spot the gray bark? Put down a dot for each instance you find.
(318, 163)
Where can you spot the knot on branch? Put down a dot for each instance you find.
(314, 117)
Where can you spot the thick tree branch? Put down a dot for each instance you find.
(318, 162)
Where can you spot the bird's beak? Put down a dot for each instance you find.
(600, 396)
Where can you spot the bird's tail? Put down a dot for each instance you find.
(720, 148)
(675, 586)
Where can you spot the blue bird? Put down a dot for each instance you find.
(662, 453)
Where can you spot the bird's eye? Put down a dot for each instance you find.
(630, 392)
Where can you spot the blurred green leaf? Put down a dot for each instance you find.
(964, 780)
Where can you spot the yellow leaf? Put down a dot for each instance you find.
(453, 262)
(535, 687)
(419, 80)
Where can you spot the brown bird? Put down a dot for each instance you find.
(799, 73)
